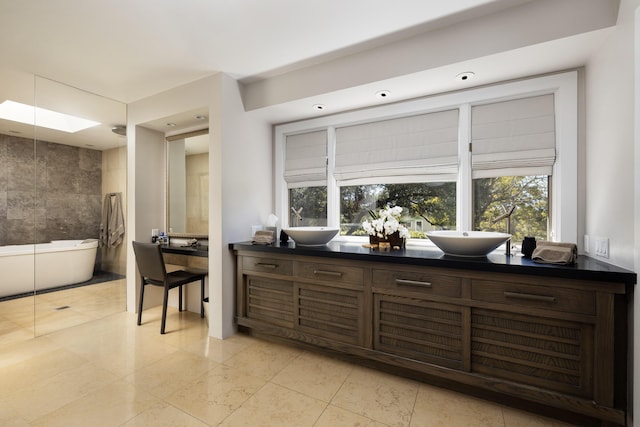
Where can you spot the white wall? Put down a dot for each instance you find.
(145, 192)
(240, 182)
(636, 303)
(245, 162)
(609, 198)
(612, 207)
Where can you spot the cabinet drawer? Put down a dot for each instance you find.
(267, 265)
(330, 273)
(417, 281)
(524, 295)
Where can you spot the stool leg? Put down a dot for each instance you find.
(164, 310)
(202, 297)
(140, 302)
(180, 299)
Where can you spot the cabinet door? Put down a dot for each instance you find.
(548, 353)
(421, 330)
(270, 300)
(330, 312)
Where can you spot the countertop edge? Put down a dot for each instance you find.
(585, 269)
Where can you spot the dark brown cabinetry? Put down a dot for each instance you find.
(552, 341)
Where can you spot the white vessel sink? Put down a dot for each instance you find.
(311, 236)
(467, 243)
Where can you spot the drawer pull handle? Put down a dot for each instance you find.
(327, 273)
(266, 265)
(413, 283)
(529, 297)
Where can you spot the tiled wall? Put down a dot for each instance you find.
(48, 192)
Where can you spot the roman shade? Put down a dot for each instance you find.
(306, 159)
(424, 146)
(513, 138)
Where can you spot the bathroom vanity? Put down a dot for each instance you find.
(547, 338)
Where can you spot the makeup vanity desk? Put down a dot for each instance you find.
(186, 256)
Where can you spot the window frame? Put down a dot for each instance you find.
(564, 184)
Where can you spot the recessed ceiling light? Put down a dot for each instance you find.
(170, 124)
(467, 75)
(200, 117)
(383, 94)
(30, 115)
(319, 107)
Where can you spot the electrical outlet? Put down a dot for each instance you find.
(602, 247)
(587, 244)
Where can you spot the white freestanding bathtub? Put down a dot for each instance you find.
(46, 265)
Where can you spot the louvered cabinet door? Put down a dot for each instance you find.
(420, 330)
(330, 312)
(269, 300)
(543, 352)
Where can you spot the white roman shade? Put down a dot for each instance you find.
(515, 137)
(306, 159)
(423, 146)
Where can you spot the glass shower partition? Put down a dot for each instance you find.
(79, 158)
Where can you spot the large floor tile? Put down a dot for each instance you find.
(316, 376)
(337, 417)
(164, 415)
(112, 405)
(378, 396)
(50, 393)
(216, 394)
(170, 374)
(436, 407)
(274, 405)
(264, 359)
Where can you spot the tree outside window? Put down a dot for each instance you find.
(426, 206)
(493, 197)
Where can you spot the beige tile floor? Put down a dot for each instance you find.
(110, 372)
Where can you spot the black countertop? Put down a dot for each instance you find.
(586, 268)
(201, 251)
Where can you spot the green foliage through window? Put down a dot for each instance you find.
(493, 197)
(310, 203)
(426, 206)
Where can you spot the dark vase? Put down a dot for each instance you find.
(528, 245)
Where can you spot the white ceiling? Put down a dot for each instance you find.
(289, 54)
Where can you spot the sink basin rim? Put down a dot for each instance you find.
(311, 236)
(467, 243)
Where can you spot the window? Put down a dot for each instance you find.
(308, 206)
(514, 150)
(306, 177)
(452, 161)
(495, 197)
(433, 203)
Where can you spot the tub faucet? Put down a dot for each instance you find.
(507, 215)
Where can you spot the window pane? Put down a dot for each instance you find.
(426, 206)
(310, 206)
(493, 197)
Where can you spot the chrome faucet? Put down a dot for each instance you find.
(296, 216)
(507, 215)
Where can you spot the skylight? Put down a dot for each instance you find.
(23, 113)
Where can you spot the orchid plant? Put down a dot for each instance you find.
(386, 222)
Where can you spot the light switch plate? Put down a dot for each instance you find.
(602, 247)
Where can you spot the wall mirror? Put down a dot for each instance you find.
(188, 184)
